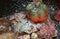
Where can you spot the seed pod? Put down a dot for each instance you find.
(30, 6)
(34, 36)
(38, 4)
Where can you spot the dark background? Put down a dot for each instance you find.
(8, 7)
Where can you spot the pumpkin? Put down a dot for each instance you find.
(37, 12)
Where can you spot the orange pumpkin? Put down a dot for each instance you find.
(37, 14)
(37, 19)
